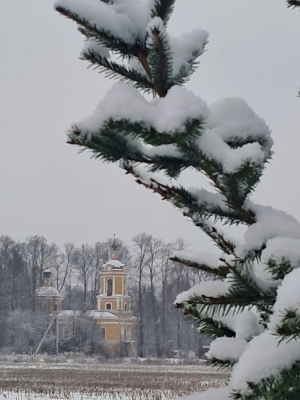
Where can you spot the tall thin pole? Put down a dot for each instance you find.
(46, 333)
(119, 332)
(57, 332)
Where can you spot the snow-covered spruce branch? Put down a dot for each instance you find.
(191, 205)
(112, 69)
(236, 292)
(159, 58)
(191, 129)
(92, 31)
(221, 271)
(173, 159)
(208, 326)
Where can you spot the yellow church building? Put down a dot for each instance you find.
(113, 316)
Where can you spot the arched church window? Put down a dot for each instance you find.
(109, 287)
(102, 333)
(108, 306)
(125, 306)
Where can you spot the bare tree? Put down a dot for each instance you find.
(155, 248)
(164, 275)
(141, 243)
(63, 265)
(181, 284)
(38, 255)
(83, 261)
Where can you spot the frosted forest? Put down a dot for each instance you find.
(153, 283)
(155, 129)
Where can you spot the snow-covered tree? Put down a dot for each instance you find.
(251, 304)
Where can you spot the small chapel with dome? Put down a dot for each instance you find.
(113, 315)
(47, 298)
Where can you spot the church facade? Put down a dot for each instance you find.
(112, 318)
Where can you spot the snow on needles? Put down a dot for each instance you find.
(186, 49)
(204, 288)
(125, 19)
(169, 114)
(288, 299)
(245, 324)
(210, 259)
(263, 357)
(229, 119)
(282, 249)
(210, 200)
(164, 114)
(226, 349)
(270, 223)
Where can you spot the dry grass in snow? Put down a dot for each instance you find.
(105, 381)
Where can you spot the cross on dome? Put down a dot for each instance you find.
(114, 247)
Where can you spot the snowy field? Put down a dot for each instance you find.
(41, 381)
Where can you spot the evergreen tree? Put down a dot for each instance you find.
(251, 303)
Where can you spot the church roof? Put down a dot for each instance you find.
(90, 313)
(47, 291)
(115, 263)
(101, 314)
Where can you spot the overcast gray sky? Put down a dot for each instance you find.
(48, 189)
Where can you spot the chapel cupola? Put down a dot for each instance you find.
(47, 298)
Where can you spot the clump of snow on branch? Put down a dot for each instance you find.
(125, 19)
(229, 119)
(226, 349)
(288, 299)
(263, 277)
(245, 324)
(263, 357)
(210, 259)
(171, 112)
(221, 393)
(205, 288)
(165, 114)
(270, 223)
(209, 199)
(282, 249)
(186, 49)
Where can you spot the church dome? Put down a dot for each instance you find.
(47, 291)
(115, 264)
